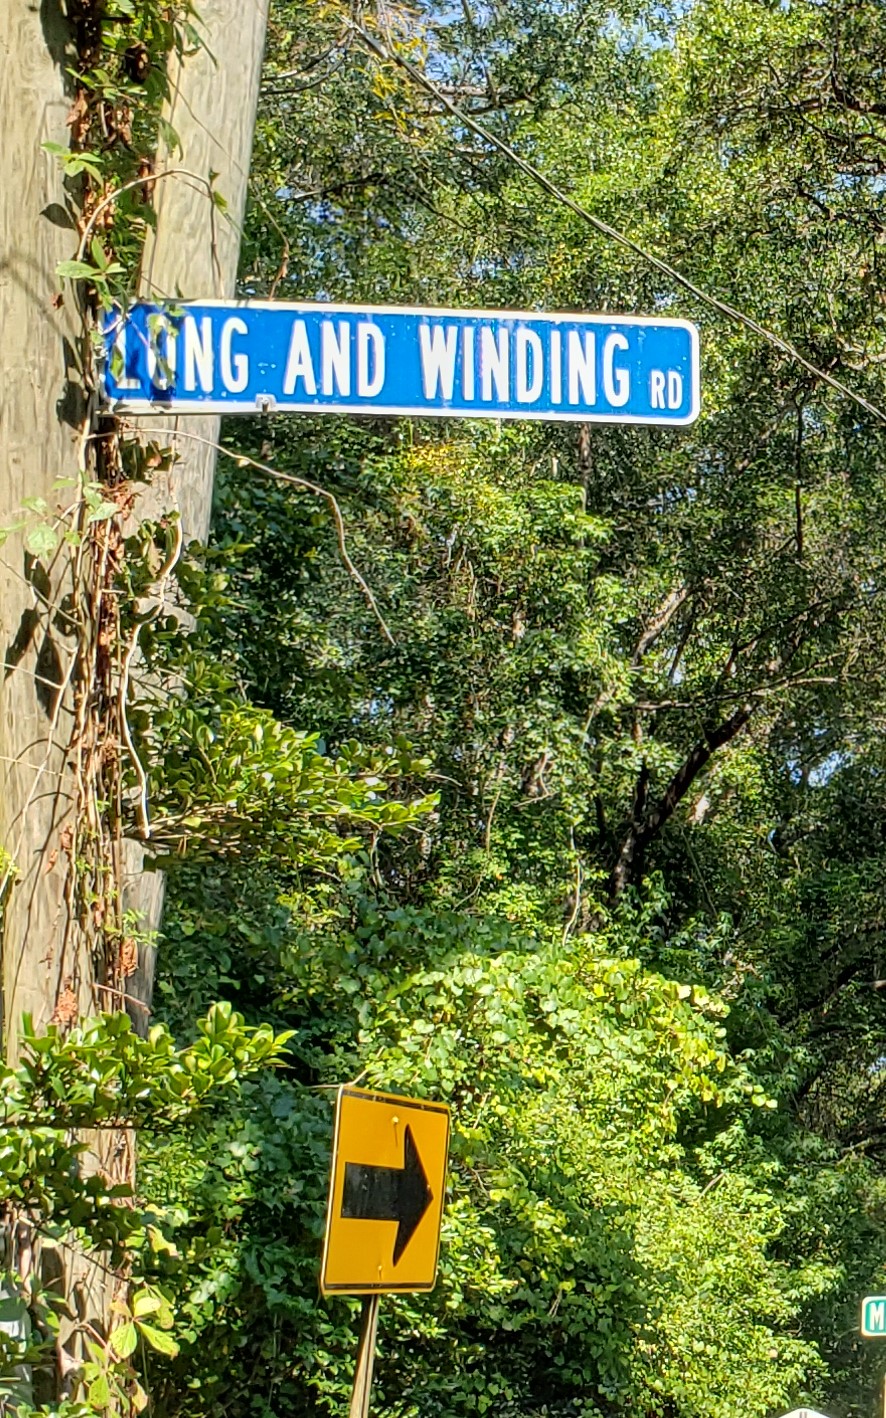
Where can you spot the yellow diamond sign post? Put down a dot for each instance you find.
(385, 1206)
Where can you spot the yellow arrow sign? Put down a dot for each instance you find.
(385, 1195)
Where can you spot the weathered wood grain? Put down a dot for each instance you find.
(194, 253)
(40, 410)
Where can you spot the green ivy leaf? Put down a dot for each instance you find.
(99, 1392)
(74, 270)
(146, 1304)
(102, 513)
(163, 1343)
(42, 540)
(124, 1339)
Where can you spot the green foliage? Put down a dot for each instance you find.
(576, 620)
(223, 775)
(95, 1076)
(120, 81)
(234, 779)
(591, 1105)
(102, 1074)
(518, 859)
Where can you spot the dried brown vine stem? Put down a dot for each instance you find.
(160, 583)
(244, 460)
(111, 197)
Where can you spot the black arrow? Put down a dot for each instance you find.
(398, 1194)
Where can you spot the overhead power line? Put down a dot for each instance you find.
(611, 232)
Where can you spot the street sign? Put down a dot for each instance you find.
(385, 1194)
(260, 356)
(873, 1317)
(805, 1413)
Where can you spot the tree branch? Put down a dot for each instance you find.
(645, 824)
(659, 623)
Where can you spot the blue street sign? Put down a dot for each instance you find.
(253, 356)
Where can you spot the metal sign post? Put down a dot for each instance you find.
(365, 1358)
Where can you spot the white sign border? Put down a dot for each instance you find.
(871, 1333)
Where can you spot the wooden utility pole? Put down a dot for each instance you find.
(48, 969)
(43, 423)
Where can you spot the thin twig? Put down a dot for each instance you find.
(243, 460)
(160, 581)
(23, 763)
(127, 999)
(127, 187)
